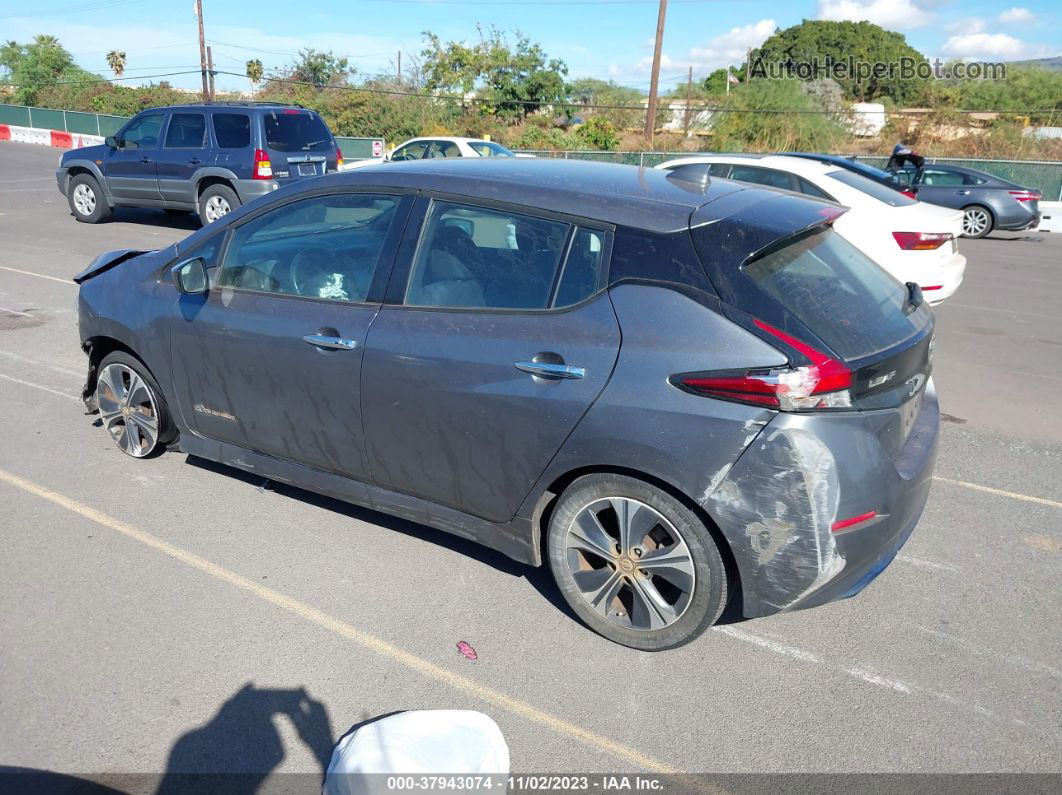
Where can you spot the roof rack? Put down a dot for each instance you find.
(252, 104)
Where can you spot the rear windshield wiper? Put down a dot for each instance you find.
(914, 297)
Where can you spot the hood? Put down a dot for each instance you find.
(87, 153)
(106, 261)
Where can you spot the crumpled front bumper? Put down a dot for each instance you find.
(779, 502)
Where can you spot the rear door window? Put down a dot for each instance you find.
(186, 131)
(292, 130)
(850, 302)
(445, 149)
(232, 130)
(813, 190)
(763, 176)
(479, 257)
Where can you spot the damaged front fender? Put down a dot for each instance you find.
(107, 260)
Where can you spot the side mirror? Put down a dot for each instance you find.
(190, 277)
(111, 141)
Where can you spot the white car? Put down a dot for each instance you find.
(422, 148)
(914, 241)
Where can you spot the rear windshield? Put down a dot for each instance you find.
(882, 193)
(835, 290)
(296, 131)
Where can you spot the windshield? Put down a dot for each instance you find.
(297, 131)
(882, 193)
(835, 290)
(489, 149)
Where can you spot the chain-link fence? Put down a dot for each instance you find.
(1042, 175)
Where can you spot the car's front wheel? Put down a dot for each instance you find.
(216, 202)
(635, 564)
(132, 409)
(977, 221)
(87, 201)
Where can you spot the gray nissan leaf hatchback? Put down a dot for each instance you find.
(675, 391)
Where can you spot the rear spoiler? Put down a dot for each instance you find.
(106, 261)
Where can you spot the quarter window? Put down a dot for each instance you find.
(232, 130)
(477, 257)
(186, 131)
(326, 247)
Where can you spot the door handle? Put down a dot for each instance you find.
(195, 161)
(963, 192)
(547, 370)
(145, 159)
(332, 343)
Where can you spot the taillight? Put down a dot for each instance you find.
(263, 169)
(921, 241)
(910, 194)
(339, 159)
(824, 384)
(1024, 195)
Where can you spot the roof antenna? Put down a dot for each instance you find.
(692, 177)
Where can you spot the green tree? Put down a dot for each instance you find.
(319, 68)
(598, 133)
(36, 65)
(515, 78)
(255, 72)
(116, 60)
(821, 40)
(715, 84)
(587, 92)
(753, 121)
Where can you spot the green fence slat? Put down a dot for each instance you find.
(357, 148)
(84, 123)
(14, 114)
(47, 119)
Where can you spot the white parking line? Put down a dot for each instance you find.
(41, 387)
(927, 564)
(38, 275)
(57, 368)
(1014, 495)
(15, 312)
(984, 651)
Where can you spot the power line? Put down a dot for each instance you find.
(92, 5)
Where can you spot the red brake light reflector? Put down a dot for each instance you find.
(841, 524)
(339, 159)
(291, 112)
(824, 384)
(921, 241)
(263, 168)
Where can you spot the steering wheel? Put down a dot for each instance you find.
(309, 265)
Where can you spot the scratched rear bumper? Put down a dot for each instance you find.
(803, 473)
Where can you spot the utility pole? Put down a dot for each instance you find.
(210, 69)
(202, 50)
(400, 68)
(650, 116)
(689, 99)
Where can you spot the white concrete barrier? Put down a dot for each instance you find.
(1052, 217)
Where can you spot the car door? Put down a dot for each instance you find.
(496, 338)
(185, 149)
(131, 167)
(946, 188)
(270, 358)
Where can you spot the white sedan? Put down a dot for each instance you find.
(912, 240)
(422, 148)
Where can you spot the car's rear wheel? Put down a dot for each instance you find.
(87, 201)
(132, 409)
(634, 563)
(216, 202)
(977, 221)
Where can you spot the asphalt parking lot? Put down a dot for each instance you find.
(174, 615)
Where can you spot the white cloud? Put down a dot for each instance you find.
(968, 25)
(984, 46)
(894, 14)
(732, 46)
(1014, 16)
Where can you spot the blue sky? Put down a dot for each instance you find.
(608, 39)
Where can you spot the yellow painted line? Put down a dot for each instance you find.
(1001, 492)
(338, 627)
(38, 275)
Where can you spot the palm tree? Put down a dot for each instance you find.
(116, 60)
(255, 72)
(45, 40)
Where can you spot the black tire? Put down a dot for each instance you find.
(709, 591)
(167, 430)
(982, 212)
(213, 195)
(86, 199)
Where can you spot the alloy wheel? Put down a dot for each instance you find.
(630, 564)
(84, 199)
(216, 206)
(128, 409)
(974, 222)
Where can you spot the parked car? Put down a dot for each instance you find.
(208, 159)
(915, 242)
(440, 147)
(863, 169)
(987, 202)
(675, 394)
